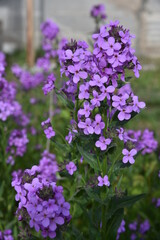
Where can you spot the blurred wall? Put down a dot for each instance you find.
(72, 16)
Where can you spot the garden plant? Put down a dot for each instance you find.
(68, 159)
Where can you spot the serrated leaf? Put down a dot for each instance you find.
(90, 158)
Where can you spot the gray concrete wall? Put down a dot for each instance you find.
(142, 17)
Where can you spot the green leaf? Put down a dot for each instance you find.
(94, 194)
(122, 202)
(90, 158)
(62, 97)
(113, 224)
(60, 146)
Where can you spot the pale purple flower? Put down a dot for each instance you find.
(98, 124)
(96, 99)
(84, 91)
(98, 81)
(112, 46)
(49, 132)
(102, 143)
(103, 181)
(106, 91)
(86, 110)
(119, 100)
(77, 72)
(117, 60)
(128, 155)
(137, 105)
(125, 113)
(71, 168)
(86, 126)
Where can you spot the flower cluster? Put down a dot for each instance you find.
(48, 166)
(50, 32)
(113, 52)
(98, 12)
(94, 78)
(47, 127)
(8, 104)
(6, 235)
(17, 142)
(142, 141)
(26, 78)
(49, 29)
(139, 229)
(125, 104)
(49, 84)
(41, 202)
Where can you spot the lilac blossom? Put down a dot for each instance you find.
(77, 72)
(128, 155)
(49, 85)
(102, 143)
(86, 126)
(17, 142)
(98, 124)
(121, 229)
(103, 181)
(41, 201)
(48, 130)
(86, 110)
(71, 168)
(111, 46)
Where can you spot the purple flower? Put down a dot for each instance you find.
(98, 81)
(77, 72)
(49, 85)
(49, 132)
(111, 46)
(125, 113)
(96, 99)
(86, 126)
(119, 100)
(98, 11)
(121, 229)
(98, 124)
(133, 226)
(102, 143)
(117, 60)
(86, 110)
(71, 168)
(144, 227)
(84, 91)
(49, 29)
(128, 156)
(106, 92)
(137, 105)
(103, 181)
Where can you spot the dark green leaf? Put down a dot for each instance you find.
(113, 225)
(122, 202)
(62, 97)
(90, 158)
